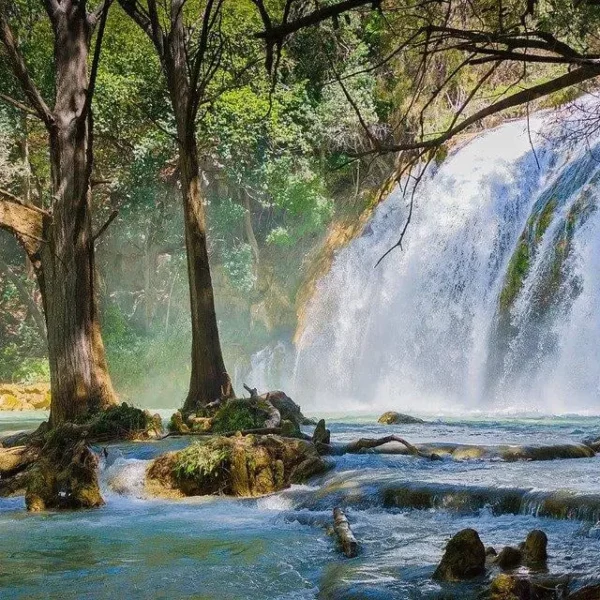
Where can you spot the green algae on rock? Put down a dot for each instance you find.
(234, 466)
(395, 418)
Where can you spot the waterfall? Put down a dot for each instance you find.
(493, 303)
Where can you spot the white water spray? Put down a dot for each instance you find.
(431, 329)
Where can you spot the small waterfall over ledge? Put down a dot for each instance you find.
(493, 304)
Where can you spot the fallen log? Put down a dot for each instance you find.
(369, 443)
(344, 534)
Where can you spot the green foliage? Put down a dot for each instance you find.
(238, 415)
(237, 262)
(201, 461)
(119, 422)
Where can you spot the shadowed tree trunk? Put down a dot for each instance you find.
(60, 242)
(184, 75)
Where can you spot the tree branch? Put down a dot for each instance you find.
(19, 105)
(113, 215)
(24, 222)
(19, 68)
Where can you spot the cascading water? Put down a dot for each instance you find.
(493, 302)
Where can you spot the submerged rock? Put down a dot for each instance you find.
(234, 466)
(519, 587)
(396, 418)
(509, 558)
(464, 558)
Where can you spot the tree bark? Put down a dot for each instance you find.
(79, 376)
(60, 245)
(209, 380)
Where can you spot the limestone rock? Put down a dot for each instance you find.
(395, 418)
(234, 466)
(464, 558)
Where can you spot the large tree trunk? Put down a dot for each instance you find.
(79, 378)
(209, 379)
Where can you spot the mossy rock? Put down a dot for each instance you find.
(396, 418)
(463, 559)
(234, 466)
(65, 477)
(535, 548)
(509, 558)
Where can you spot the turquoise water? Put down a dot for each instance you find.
(279, 547)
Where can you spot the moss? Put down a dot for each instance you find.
(202, 463)
(515, 275)
(122, 422)
(544, 219)
(238, 415)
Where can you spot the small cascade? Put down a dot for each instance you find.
(492, 303)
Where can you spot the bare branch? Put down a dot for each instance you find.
(113, 215)
(19, 105)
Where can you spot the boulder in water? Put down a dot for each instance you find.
(464, 558)
(535, 548)
(234, 466)
(509, 558)
(321, 434)
(396, 418)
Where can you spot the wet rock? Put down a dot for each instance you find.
(593, 443)
(553, 452)
(490, 551)
(535, 548)
(518, 587)
(65, 477)
(464, 558)
(395, 418)
(509, 558)
(235, 466)
(289, 410)
(321, 434)
(509, 587)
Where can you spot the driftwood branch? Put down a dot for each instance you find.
(344, 533)
(370, 443)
